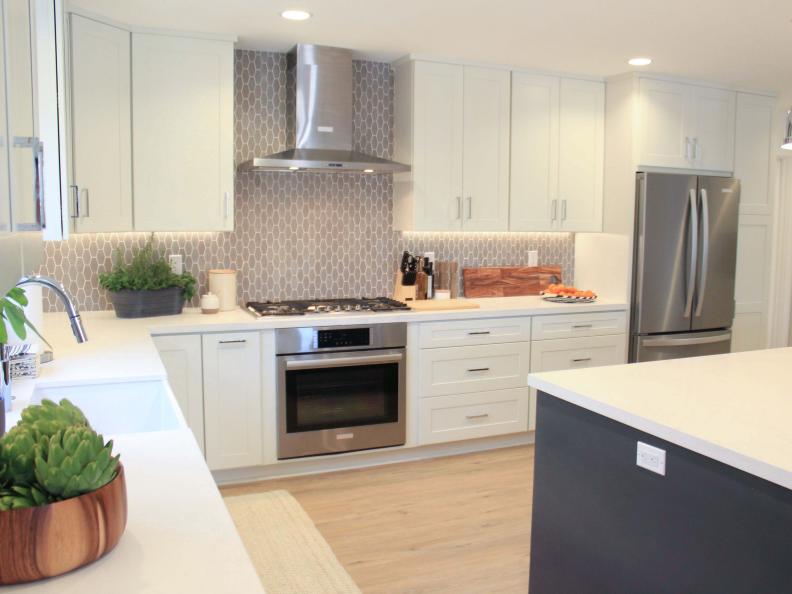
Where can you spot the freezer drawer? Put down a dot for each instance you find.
(676, 346)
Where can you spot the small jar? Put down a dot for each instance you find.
(210, 303)
(222, 282)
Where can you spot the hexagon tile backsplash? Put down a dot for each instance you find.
(305, 235)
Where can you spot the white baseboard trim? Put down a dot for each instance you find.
(353, 460)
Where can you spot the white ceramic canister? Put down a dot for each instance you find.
(210, 304)
(222, 282)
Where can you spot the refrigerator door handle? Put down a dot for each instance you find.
(693, 224)
(675, 342)
(702, 288)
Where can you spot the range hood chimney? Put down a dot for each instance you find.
(322, 79)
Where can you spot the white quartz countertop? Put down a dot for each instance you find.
(735, 408)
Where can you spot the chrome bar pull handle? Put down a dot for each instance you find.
(475, 369)
(554, 210)
(481, 416)
(75, 202)
(238, 341)
(581, 360)
(702, 284)
(459, 207)
(693, 224)
(479, 333)
(470, 207)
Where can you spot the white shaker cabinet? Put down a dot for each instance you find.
(557, 142)
(233, 400)
(753, 165)
(182, 109)
(534, 152)
(485, 166)
(181, 355)
(101, 126)
(451, 124)
(685, 126)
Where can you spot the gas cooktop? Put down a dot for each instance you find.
(262, 309)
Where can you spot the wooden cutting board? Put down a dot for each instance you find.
(441, 304)
(508, 281)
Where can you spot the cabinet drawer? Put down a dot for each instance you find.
(474, 368)
(468, 416)
(470, 332)
(574, 325)
(574, 353)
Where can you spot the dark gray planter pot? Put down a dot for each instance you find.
(145, 304)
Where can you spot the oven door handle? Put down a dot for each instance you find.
(344, 361)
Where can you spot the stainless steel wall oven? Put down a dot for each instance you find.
(340, 388)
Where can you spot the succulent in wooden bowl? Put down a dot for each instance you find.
(62, 494)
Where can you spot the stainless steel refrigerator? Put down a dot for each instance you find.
(684, 263)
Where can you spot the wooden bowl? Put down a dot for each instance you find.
(45, 541)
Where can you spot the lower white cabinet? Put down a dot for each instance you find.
(457, 370)
(468, 416)
(232, 399)
(181, 355)
(575, 353)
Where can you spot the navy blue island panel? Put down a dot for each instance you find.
(602, 525)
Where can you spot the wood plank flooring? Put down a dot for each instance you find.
(456, 525)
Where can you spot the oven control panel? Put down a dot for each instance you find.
(342, 337)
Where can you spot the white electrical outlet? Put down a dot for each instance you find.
(533, 258)
(176, 263)
(651, 458)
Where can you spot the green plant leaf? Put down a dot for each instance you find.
(18, 294)
(15, 317)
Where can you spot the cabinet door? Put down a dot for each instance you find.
(581, 155)
(181, 356)
(21, 120)
(534, 152)
(182, 113)
(485, 175)
(753, 150)
(437, 147)
(232, 400)
(712, 121)
(101, 126)
(663, 137)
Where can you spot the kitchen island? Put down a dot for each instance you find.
(712, 513)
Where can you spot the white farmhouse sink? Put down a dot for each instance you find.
(115, 409)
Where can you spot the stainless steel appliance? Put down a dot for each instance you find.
(684, 263)
(340, 388)
(262, 309)
(321, 84)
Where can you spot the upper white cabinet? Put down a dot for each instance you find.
(182, 113)
(685, 126)
(485, 170)
(581, 154)
(452, 126)
(557, 141)
(101, 126)
(151, 130)
(753, 151)
(534, 152)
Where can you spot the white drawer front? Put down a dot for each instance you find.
(573, 325)
(468, 416)
(474, 368)
(470, 332)
(574, 353)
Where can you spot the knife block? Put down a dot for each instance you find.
(406, 294)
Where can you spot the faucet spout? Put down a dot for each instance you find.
(71, 309)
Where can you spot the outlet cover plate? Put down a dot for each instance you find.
(533, 258)
(651, 458)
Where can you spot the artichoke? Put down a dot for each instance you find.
(17, 455)
(22, 496)
(48, 418)
(74, 461)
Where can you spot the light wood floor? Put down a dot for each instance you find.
(454, 525)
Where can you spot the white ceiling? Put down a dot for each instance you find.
(747, 43)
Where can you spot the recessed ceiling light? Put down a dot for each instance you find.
(296, 15)
(639, 61)
(368, 171)
(294, 168)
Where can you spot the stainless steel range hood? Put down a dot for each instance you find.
(320, 81)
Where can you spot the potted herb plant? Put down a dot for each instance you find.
(146, 286)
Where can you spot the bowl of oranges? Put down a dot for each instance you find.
(564, 294)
